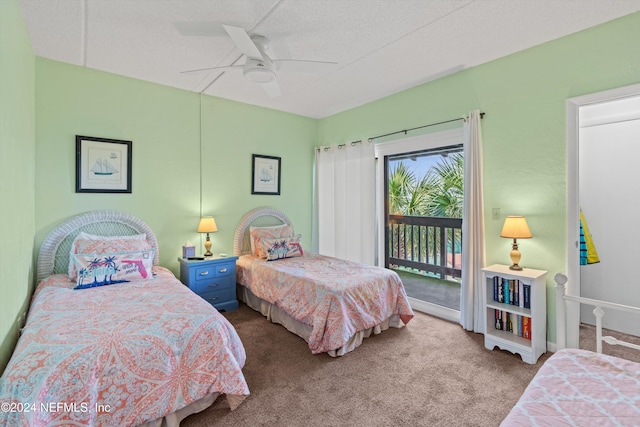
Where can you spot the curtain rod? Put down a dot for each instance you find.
(420, 127)
(340, 145)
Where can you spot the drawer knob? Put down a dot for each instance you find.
(223, 270)
(212, 298)
(204, 273)
(213, 285)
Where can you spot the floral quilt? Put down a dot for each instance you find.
(337, 298)
(118, 355)
(580, 388)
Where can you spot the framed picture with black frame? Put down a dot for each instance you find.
(102, 165)
(265, 172)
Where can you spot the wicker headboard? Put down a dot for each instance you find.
(260, 217)
(53, 257)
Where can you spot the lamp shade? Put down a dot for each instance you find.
(207, 225)
(515, 227)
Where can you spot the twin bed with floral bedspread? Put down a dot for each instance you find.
(332, 304)
(123, 344)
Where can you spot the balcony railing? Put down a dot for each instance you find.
(429, 244)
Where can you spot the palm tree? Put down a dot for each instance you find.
(447, 187)
(401, 182)
(438, 193)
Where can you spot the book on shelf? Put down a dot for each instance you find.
(520, 325)
(500, 289)
(526, 327)
(521, 294)
(495, 288)
(516, 293)
(526, 291)
(498, 314)
(511, 292)
(505, 290)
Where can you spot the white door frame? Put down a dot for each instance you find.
(573, 197)
(434, 140)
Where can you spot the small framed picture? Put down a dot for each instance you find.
(266, 175)
(102, 165)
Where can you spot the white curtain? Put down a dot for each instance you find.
(345, 180)
(473, 246)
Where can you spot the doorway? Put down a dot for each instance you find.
(602, 133)
(420, 198)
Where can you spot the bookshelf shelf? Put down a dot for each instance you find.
(515, 307)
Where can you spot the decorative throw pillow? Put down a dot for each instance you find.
(286, 247)
(112, 268)
(258, 233)
(99, 247)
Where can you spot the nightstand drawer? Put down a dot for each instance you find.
(217, 270)
(225, 269)
(206, 272)
(216, 297)
(213, 284)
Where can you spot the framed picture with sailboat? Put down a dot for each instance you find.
(102, 165)
(266, 175)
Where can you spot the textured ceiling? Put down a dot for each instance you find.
(381, 46)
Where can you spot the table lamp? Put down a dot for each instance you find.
(207, 225)
(515, 227)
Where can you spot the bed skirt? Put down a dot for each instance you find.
(279, 316)
(174, 419)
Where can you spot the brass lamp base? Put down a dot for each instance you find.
(207, 246)
(515, 257)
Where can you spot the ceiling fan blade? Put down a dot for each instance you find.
(243, 41)
(301, 66)
(228, 67)
(272, 88)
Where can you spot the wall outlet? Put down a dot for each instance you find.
(495, 214)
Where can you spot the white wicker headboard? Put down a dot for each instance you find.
(53, 257)
(263, 216)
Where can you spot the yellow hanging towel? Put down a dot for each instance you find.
(592, 253)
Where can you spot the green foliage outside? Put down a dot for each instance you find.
(439, 193)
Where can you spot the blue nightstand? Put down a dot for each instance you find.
(213, 279)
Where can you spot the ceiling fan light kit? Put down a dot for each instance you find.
(259, 71)
(259, 75)
(259, 67)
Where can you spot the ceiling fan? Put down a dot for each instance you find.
(259, 67)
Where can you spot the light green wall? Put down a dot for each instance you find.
(523, 132)
(17, 146)
(164, 125)
(524, 147)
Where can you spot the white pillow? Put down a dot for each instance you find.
(86, 236)
(112, 268)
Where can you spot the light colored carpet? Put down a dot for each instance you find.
(430, 373)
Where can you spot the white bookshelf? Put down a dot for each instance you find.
(528, 349)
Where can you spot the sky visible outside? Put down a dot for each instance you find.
(418, 167)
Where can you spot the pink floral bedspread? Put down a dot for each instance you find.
(118, 355)
(580, 388)
(335, 297)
